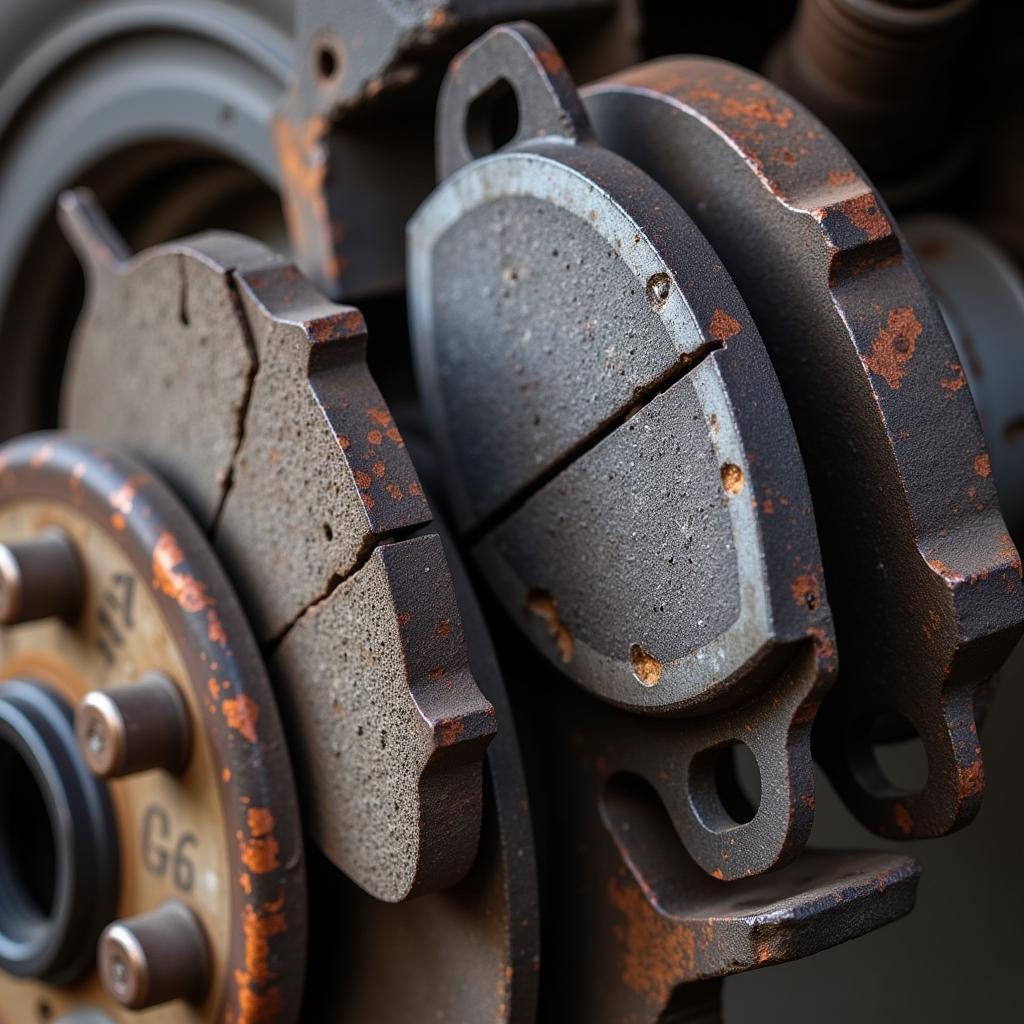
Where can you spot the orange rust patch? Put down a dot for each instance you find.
(893, 347)
(374, 437)
(646, 667)
(379, 416)
(379, 469)
(215, 628)
(242, 714)
(757, 110)
(451, 731)
(393, 435)
(723, 326)
(260, 927)
(657, 954)
(118, 521)
(395, 491)
(437, 672)
(180, 586)
(972, 780)
(865, 212)
(443, 627)
(732, 478)
(415, 489)
(552, 61)
(822, 641)
(260, 855)
(837, 178)
(543, 605)
(903, 820)
(982, 465)
(260, 821)
(362, 479)
(344, 443)
(953, 384)
(806, 591)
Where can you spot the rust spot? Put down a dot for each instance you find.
(757, 110)
(732, 478)
(259, 927)
(806, 591)
(177, 584)
(344, 443)
(983, 465)
(242, 714)
(260, 821)
(865, 212)
(404, 618)
(260, 854)
(394, 436)
(657, 954)
(118, 521)
(395, 491)
(839, 178)
(443, 627)
(543, 605)
(953, 384)
(552, 61)
(215, 628)
(823, 642)
(901, 816)
(375, 437)
(437, 672)
(379, 416)
(972, 780)
(415, 489)
(646, 667)
(379, 469)
(451, 730)
(723, 326)
(362, 479)
(893, 347)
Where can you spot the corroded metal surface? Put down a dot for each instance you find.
(611, 433)
(314, 476)
(921, 572)
(224, 837)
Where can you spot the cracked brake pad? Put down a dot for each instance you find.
(220, 365)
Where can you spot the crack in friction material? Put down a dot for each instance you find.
(242, 419)
(642, 397)
(362, 557)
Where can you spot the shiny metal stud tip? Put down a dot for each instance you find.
(134, 728)
(155, 958)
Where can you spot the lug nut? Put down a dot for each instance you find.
(39, 578)
(134, 728)
(155, 958)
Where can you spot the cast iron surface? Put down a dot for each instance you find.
(263, 975)
(921, 572)
(251, 393)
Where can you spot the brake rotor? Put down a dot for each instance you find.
(171, 821)
(922, 573)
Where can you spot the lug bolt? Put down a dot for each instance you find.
(39, 578)
(155, 958)
(134, 728)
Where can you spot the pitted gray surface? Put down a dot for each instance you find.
(545, 303)
(170, 330)
(633, 540)
(347, 696)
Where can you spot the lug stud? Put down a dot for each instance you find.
(39, 578)
(134, 728)
(155, 958)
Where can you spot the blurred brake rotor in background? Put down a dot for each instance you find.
(483, 631)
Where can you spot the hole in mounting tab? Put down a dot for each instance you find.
(492, 120)
(725, 786)
(890, 757)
